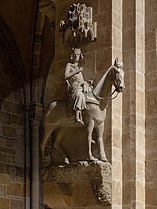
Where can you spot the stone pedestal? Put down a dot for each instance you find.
(77, 185)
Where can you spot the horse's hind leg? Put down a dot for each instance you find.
(100, 131)
(47, 132)
(58, 136)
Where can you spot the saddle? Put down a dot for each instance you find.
(88, 92)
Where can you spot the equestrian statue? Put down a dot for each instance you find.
(89, 104)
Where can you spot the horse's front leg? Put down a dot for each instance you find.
(90, 128)
(100, 131)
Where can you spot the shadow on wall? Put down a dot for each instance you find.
(12, 134)
(12, 70)
(12, 82)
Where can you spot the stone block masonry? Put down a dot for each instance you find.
(12, 191)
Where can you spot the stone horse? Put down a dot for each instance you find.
(55, 115)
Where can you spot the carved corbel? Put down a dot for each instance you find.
(97, 174)
(79, 24)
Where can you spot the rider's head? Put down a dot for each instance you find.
(76, 54)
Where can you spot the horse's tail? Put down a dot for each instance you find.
(49, 109)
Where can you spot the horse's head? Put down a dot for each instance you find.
(118, 76)
(113, 76)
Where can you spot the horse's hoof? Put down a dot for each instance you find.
(104, 160)
(91, 158)
(66, 160)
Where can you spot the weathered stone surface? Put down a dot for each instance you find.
(5, 117)
(2, 190)
(101, 63)
(17, 119)
(128, 6)
(105, 7)
(16, 204)
(6, 93)
(83, 176)
(11, 170)
(129, 35)
(15, 189)
(4, 203)
(151, 189)
(104, 19)
(2, 168)
(11, 107)
(8, 131)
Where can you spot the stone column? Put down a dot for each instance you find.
(25, 109)
(134, 104)
(35, 111)
(116, 110)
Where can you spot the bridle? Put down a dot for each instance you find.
(110, 96)
(116, 86)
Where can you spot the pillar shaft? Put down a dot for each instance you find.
(134, 105)
(35, 116)
(35, 182)
(116, 110)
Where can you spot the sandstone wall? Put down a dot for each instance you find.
(134, 105)
(151, 104)
(12, 150)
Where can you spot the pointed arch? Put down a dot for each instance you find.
(10, 45)
(45, 20)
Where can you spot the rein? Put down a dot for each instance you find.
(109, 97)
(113, 93)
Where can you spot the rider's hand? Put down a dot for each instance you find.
(81, 69)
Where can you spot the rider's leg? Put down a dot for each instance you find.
(79, 116)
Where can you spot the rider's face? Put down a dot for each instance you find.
(76, 56)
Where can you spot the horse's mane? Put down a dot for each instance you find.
(99, 86)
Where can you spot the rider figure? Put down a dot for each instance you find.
(75, 80)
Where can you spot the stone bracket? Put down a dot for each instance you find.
(73, 180)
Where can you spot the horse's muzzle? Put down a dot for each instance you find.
(120, 88)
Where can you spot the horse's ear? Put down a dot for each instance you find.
(121, 64)
(116, 62)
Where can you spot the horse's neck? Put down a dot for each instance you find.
(103, 88)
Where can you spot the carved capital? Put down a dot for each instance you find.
(34, 111)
